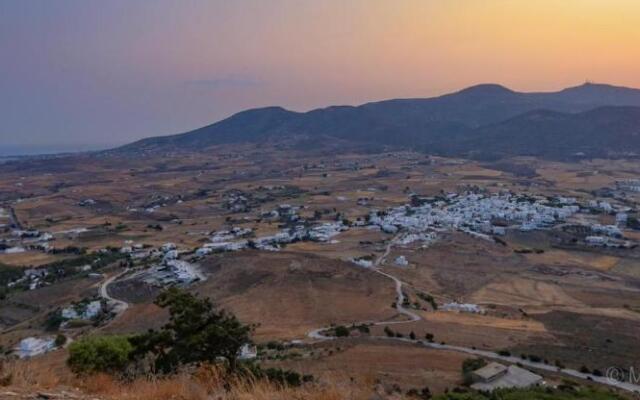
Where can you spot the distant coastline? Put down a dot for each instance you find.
(35, 150)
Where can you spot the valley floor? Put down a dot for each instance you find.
(301, 244)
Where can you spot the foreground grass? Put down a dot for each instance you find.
(211, 382)
(204, 383)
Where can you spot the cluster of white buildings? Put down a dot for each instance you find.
(170, 270)
(462, 307)
(85, 311)
(236, 238)
(477, 214)
(32, 346)
(23, 240)
(363, 262)
(32, 277)
(605, 241)
(226, 240)
(326, 231)
(607, 230)
(237, 202)
(473, 213)
(401, 261)
(601, 205)
(629, 185)
(86, 202)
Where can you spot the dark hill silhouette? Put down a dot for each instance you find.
(601, 132)
(476, 116)
(245, 126)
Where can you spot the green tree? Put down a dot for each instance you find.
(99, 354)
(196, 332)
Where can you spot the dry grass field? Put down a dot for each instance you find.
(366, 362)
(575, 305)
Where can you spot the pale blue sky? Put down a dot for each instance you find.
(109, 72)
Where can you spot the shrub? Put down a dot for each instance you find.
(60, 340)
(53, 321)
(273, 345)
(341, 331)
(428, 298)
(534, 358)
(99, 354)
(284, 377)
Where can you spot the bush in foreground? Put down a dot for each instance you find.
(99, 354)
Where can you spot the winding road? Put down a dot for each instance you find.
(318, 336)
(119, 305)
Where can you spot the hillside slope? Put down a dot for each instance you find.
(484, 116)
(602, 132)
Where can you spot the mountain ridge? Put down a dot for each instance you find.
(438, 124)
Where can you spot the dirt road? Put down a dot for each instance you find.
(119, 305)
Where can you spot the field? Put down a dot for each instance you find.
(540, 292)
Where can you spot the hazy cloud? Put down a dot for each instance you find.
(227, 82)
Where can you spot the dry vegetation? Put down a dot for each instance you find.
(574, 305)
(52, 379)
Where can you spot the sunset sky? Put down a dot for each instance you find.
(107, 72)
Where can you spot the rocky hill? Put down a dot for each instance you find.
(484, 120)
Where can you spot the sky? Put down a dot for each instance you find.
(94, 73)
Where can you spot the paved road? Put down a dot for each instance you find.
(317, 335)
(400, 300)
(515, 360)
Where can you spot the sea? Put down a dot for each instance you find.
(9, 151)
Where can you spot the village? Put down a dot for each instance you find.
(481, 215)
(484, 216)
(122, 251)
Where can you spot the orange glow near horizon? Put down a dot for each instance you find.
(320, 53)
(137, 69)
